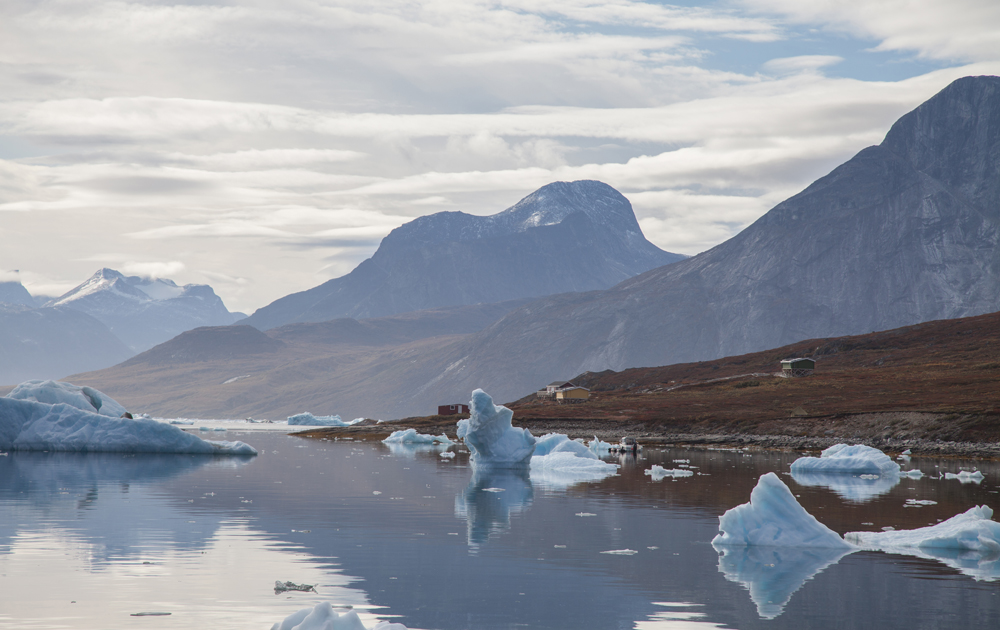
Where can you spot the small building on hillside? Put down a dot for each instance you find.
(450, 410)
(798, 367)
(573, 394)
(553, 387)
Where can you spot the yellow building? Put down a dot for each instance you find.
(573, 394)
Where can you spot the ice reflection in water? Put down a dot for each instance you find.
(853, 488)
(491, 497)
(773, 574)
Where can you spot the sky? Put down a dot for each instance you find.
(264, 147)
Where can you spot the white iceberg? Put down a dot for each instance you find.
(969, 542)
(966, 477)
(560, 443)
(491, 438)
(324, 617)
(55, 392)
(658, 473)
(308, 420)
(773, 518)
(599, 447)
(854, 488)
(26, 425)
(843, 458)
(410, 436)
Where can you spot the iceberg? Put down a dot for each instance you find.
(658, 473)
(491, 438)
(561, 469)
(324, 617)
(56, 392)
(843, 458)
(308, 420)
(560, 443)
(410, 436)
(26, 425)
(773, 574)
(599, 447)
(969, 542)
(853, 488)
(773, 518)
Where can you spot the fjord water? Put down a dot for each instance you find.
(403, 534)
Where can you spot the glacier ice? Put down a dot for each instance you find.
(854, 488)
(490, 437)
(843, 458)
(410, 436)
(308, 420)
(55, 392)
(658, 473)
(26, 425)
(324, 617)
(773, 518)
(969, 542)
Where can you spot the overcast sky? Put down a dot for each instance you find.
(265, 147)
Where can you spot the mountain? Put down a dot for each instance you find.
(53, 342)
(566, 236)
(143, 312)
(15, 293)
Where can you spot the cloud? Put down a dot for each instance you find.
(167, 269)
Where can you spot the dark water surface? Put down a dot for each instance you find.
(86, 541)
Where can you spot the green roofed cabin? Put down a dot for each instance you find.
(798, 367)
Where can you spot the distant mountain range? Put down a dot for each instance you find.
(566, 236)
(100, 323)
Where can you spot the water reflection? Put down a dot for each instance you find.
(490, 499)
(409, 450)
(773, 574)
(853, 488)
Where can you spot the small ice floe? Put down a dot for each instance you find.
(599, 447)
(448, 454)
(308, 420)
(150, 614)
(410, 436)
(969, 542)
(585, 514)
(324, 617)
(966, 477)
(84, 420)
(851, 459)
(913, 474)
(918, 503)
(281, 587)
(682, 461)
(772, 546)
(182, 421)
(494, 489)
(621, 552)
(659, 473)
(907, 452)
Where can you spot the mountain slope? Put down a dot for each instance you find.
(15, 293)
(904, 232)
(576, 236)
(144, 312)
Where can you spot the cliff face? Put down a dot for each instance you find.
(904, 232)
(567, 236)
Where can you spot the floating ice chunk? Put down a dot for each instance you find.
(842, 458)
(774, 574)
(448, 454)
(410, 436)
(969, 542)
(33, 426)
(491, 438)
(55, 392)
(854, 488)
(918, 503)
(773, 518)
(560, 443)
(599, 447)
(658, 472)
(621, 552)
(562, 469)
(308, 420)
(182, 421)
(966, 477)
(913, 474)
(324, 617)
(907, 452)
(281, 587)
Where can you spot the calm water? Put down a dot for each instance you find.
(88, 541)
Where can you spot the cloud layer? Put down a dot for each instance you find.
(268, 147)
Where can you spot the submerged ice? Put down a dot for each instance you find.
(73, 424)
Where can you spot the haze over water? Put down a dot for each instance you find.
(86, 541)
